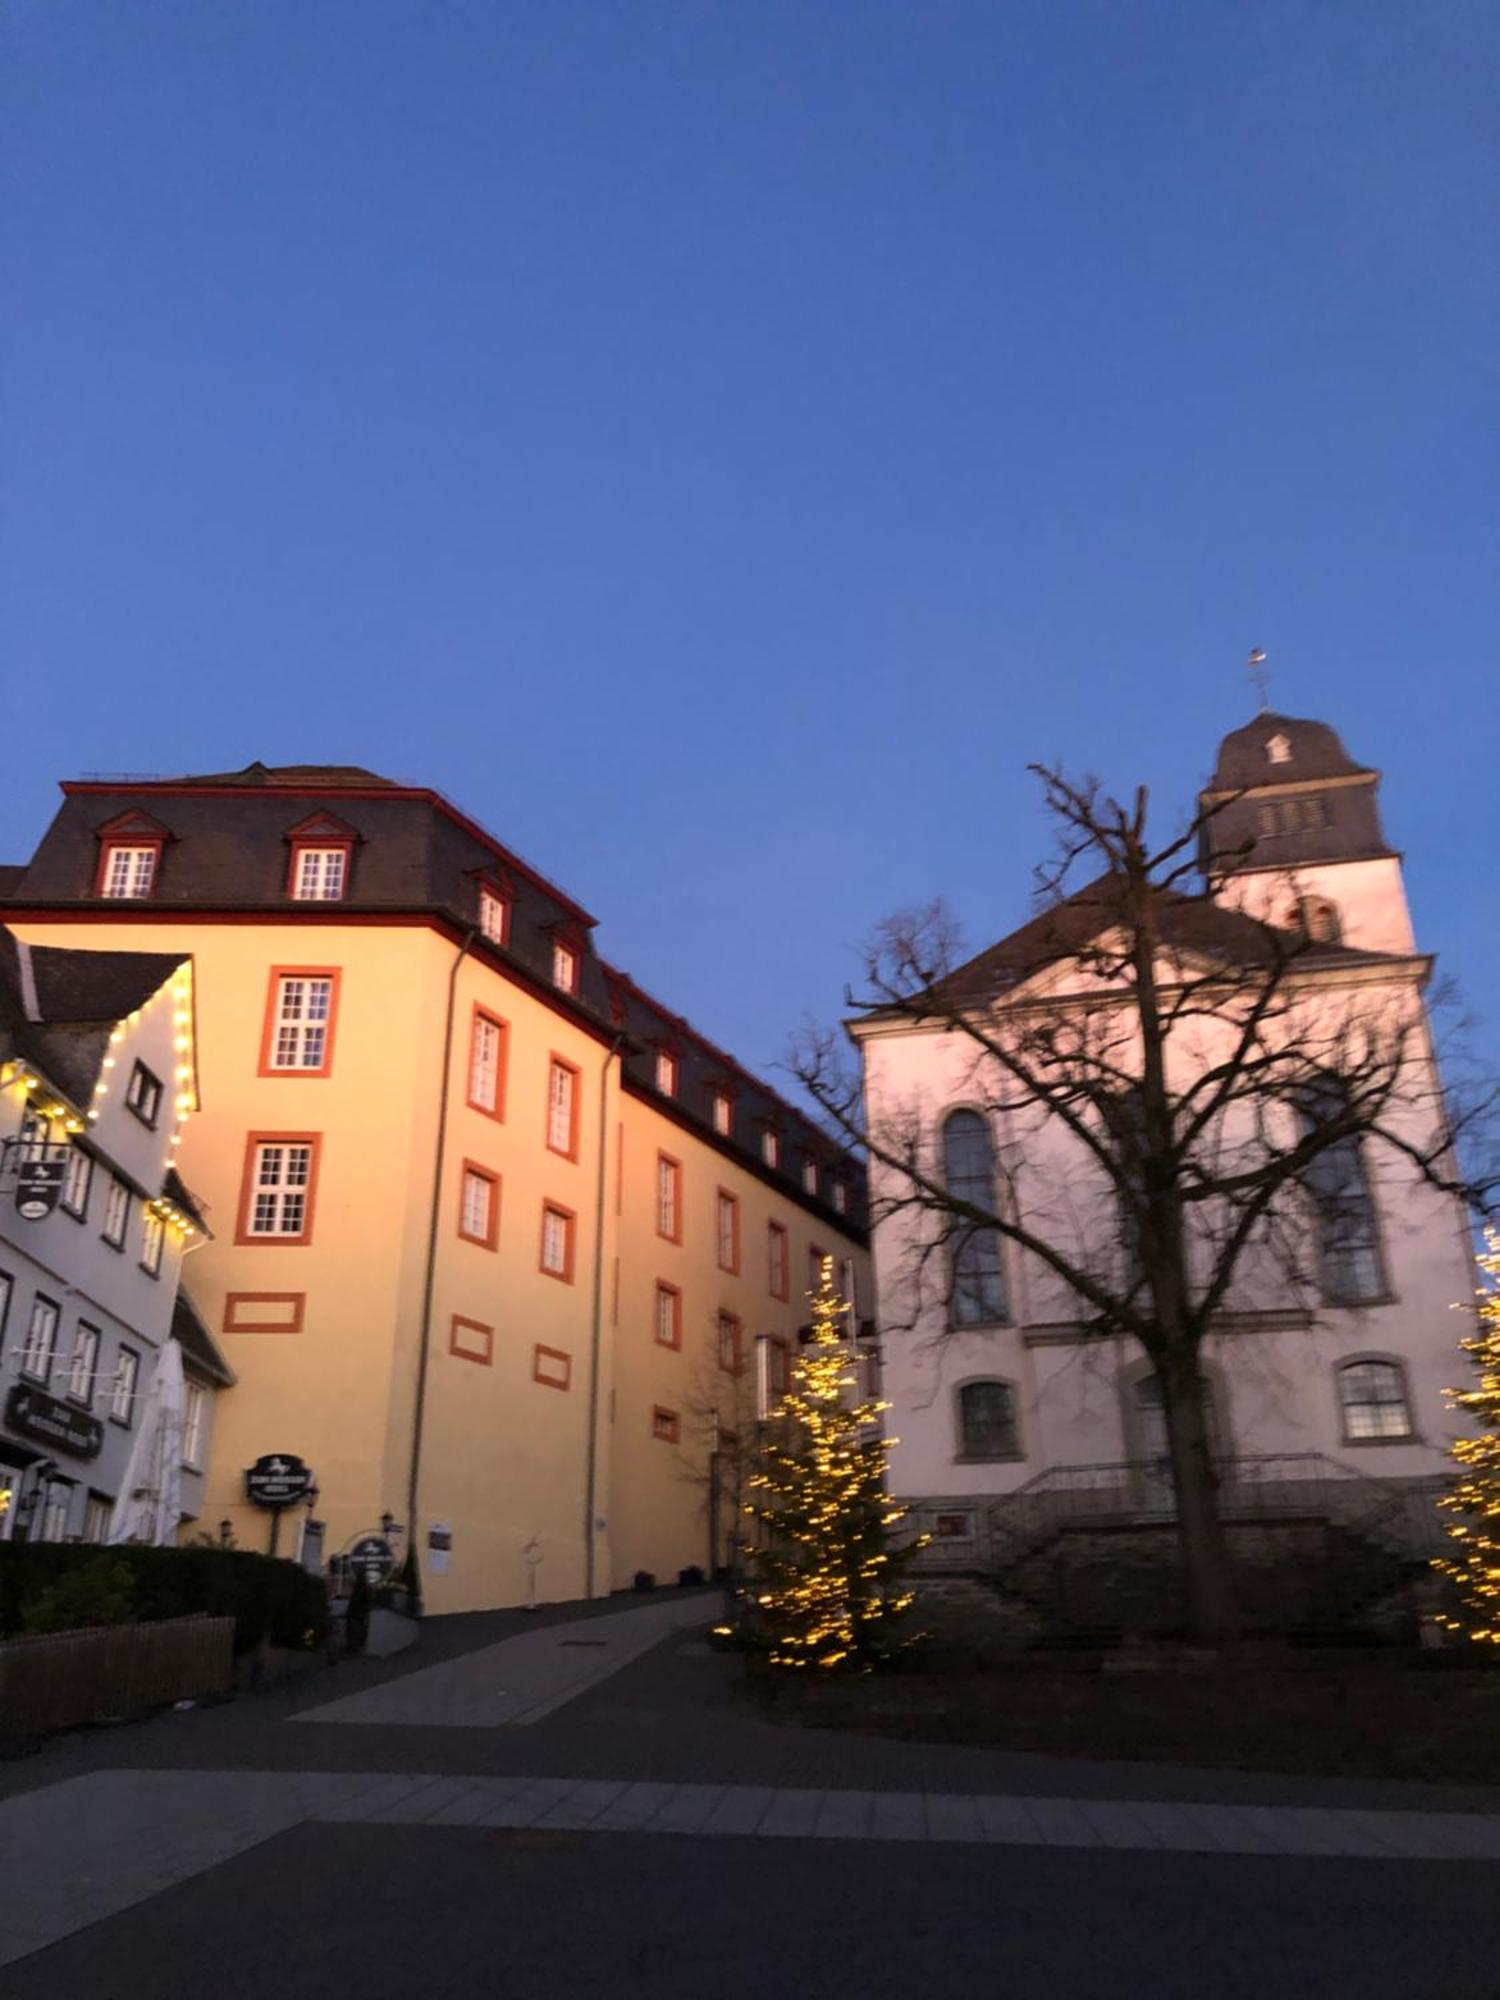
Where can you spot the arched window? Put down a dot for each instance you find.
(969, 1174)
(1318, 920)
(1372, 1401)
(987, 1421)
(1347, 1227)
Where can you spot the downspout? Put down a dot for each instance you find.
(424, 1339)
(591, 1461)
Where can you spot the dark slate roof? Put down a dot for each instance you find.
(1316, 752)
(290, 775)
(11, 873)
(80, 996)
(177, 1191)
(199, 1348)
(1194, 924)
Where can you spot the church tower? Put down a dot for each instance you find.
(1305, 816)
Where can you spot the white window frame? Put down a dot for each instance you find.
(78, 1182)
(778, 1260)
(562, 1102)
(143, 1094)
(1346, 1371)
(486, 1048)
(83, 1366)
(52, 1515)
(39, 1349)
(668, 1325)
(494, 915)
(565, 961)
(320, 874)
(284, 1192)
(97, 1515)
(666, 1073)
(299, 1030)
(727, 1230)
(116, 1213)
(668, 1198)
(729, 1338)
(194, 1410)
(557, 1235)
(476, 1206)
(153, 1241)
(124, 1388)
(129, 873)
(723, 1113)
(840, 1198)
(770, 1149)
(810, 1177)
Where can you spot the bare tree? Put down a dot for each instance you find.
(1186, 1098)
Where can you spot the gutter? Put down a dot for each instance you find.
(591, 1456)
(424, 1338)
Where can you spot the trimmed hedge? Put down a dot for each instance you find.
(267, 1597)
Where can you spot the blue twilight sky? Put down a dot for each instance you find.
(720, 444)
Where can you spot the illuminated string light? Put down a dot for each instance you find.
(1474, 1499)
(826, 1581)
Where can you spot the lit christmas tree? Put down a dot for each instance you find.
(825, 1581)
(1475, 1497)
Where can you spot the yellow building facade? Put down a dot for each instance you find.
(501, 1248)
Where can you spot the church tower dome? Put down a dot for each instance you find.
(1291, 794)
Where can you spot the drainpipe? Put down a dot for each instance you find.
(591, 1461)
(424, 1339)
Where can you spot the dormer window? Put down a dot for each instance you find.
(1278, 749)
(128, 872)
(666, 1073)
(564, 966)
(319, 874)
(809, 1176)
(770, 1148)
(494, 915)
(840, 1197)
(723, 1113)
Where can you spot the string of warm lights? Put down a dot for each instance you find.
(1474, 1499)
(825, 1581)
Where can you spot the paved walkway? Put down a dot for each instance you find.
(102, 1842)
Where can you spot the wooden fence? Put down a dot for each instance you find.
(59, 1679)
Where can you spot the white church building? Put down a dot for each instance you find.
(1016, 1422)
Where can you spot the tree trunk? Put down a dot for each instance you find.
(1208, 1583)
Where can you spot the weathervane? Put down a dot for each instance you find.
(1256, 667)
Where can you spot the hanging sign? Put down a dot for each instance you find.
(33, 1413)
(279, 1479)
(375, 1556)
(39, 1181)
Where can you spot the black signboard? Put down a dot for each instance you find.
(32, 1413)
(278, 1480)
(375, 1556)
(39, 1180)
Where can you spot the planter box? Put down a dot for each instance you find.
(60, 1679)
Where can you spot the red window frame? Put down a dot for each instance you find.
(666, 1291)
(778, 1365)
(721, 1196)
(815, 1255)
(328, 842)
(666, 1073)
(496, 894)
(333, 973)
(667, 1160)
(253, 1141)
(666, 1425)
(482, 1352)
(491, 1239)
(502, 1064)
(556, 1061)
(570, 1242)
(777, 1235)
(574, 952)
(560, 1378)
(108, 846)
(733, 1326)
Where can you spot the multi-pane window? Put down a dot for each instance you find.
(194, 1410)
(116, 1213)
(1348, 1233)
(486, 1063)
(319, 874)
(778, 1367)
(153, 1234)
(666, 1425)
(770, 1148)
(77, 1176)
(840, 1197)
(96, 1517)
(58, 1497)
(666, 1073)
(478, 1207)
(280, 1184)
(564, 966)
(122, 1392)
(777, 1273)
(84, 1365)
(809, 1176)
(40, 1343)
(731, 1354)
(494, 916)
(557, 1241)
(302, 1021)
(723, 1112)
(727, 1226)
(668, 1316)
(1372, 1397)
(668, 1198)
(987, 1421)
(129, 871)
(562, 1107)
(143, 1094)
(978, 1279)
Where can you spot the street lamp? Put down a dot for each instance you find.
(226, 1534)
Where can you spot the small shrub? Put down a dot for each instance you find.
(693, 1574)
(644, 1580)
(98, 1593)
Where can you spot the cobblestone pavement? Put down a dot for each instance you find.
(606, 1731)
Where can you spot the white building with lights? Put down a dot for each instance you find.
(107, 1376)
